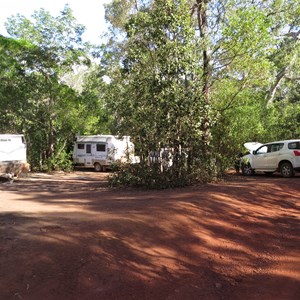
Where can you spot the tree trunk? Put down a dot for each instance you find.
(274, 87)
(50, 149)
(201, 10)
(203, 27)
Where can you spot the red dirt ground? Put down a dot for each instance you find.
(69, 237)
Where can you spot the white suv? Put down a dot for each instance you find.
(282, 156)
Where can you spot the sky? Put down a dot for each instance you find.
(89, 13)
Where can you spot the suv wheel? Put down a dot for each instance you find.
(247, 170)
(286, 170)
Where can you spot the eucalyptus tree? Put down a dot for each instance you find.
(243, 56)
(94, 115)
(156, 92)
(250, 59)
(286, 56)
(283, 98)
(12, 89)
(57, 48)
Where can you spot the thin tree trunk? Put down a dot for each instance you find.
(50, 149)
(274, 87)
(203, 29)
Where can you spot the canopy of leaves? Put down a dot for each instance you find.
(36, 99)
(197, 77)
(164, 70)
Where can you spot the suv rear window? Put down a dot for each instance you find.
(294, 145)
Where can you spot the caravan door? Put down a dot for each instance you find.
(88, 156)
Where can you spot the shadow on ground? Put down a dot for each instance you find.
(71, 237)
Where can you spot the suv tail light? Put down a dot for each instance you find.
(296, 152)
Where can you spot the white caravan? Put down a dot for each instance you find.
(100, 151)
(12, 147)
(12, 154)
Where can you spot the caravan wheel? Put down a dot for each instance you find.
(97, 167)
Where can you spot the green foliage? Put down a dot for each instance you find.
(94, 116)
(58, 40)
(153, 176)
(199, 78)
(158, 101)
(61, 161)
(282, 121)
(207, 94)
(35, 99)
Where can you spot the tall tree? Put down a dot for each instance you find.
(157, 93)
(58, 47)
(12, 88)
(284, 16)
(235, 59)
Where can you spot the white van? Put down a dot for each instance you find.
(100, 151)
(13, 159)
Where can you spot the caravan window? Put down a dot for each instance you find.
(101, 147)
(80, 146)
